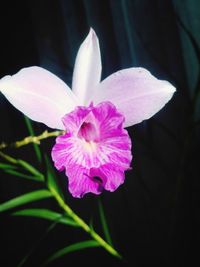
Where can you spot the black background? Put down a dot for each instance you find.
(154, 217)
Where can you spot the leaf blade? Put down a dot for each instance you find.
(30, 168)
(7, 166)
(22, 163)
(104, 223)
(23, 175)
(24, 199)
(51, 178)
(72, 248)
(46, 214)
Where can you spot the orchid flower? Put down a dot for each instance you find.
(95, 149)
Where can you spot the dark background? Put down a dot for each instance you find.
(154, 217)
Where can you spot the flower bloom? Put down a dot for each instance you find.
(95, 150)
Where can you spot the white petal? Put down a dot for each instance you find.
(135, 92)
(40, 95)
(87, 70)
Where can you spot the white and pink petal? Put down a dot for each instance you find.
(87, 69)
(40, 95)
(136, 93)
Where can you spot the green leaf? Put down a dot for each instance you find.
(7, 166)
(51, 178)
(72, 248)
(91, 224)
(24, 164)
(32, 133)
(31, 169)
(104, 223)
(46, 214)
(24, 199)
(23, 175)
(8, 158)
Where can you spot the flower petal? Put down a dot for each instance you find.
(111, 175)
(68, 154)
(87, 70)
(40, 95)
(99, 163)
(136, 93)
(80, 183)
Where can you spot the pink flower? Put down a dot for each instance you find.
(95, 151)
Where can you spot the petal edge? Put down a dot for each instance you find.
(39, 94)
(136, 93)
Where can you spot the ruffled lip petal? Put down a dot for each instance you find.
(81, 183)
(110, 175)
(93, 164)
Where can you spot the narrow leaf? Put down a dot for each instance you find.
(104, 223)
(72, 248)
(51, 177)
(7, 166)
(8, 158)
(31, 169)
(46, 214)
(24, 199)
(27, 166)
(23, 175)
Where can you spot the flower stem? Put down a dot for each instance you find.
(83, 225)
(31, 139)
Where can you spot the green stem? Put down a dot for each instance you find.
(83, 225)
(32, 133)
(32, 139)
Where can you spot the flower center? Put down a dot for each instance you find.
(89, 146)
(88, 132)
